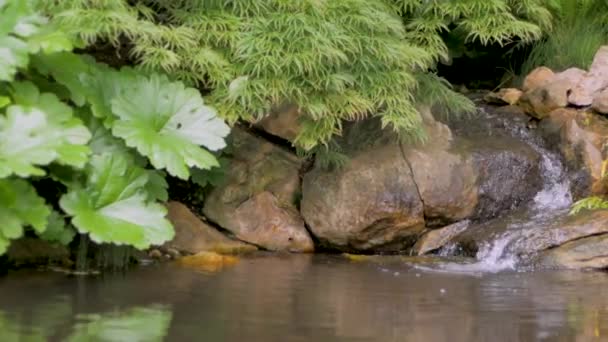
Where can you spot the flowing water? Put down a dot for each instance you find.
(305, 298)
(515, 228)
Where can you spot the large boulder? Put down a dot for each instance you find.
(593, 82)
(388, 193)
(262, 175)
(446, 180)
(581, 138)
(542, 97)
(372, 203)
(192, 235)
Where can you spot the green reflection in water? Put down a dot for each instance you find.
(150, 323)
(137, 324)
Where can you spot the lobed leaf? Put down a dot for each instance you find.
(113, 206)
(168, 123)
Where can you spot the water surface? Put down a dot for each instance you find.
(304, 298)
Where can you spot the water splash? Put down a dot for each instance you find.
(555, 193)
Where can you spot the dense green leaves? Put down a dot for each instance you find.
(22, 31)
(336, 60)
(113, 206)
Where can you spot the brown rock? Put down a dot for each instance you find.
(532, 239)
(593, 82)
(371, 203)
(600, 102)
(585, 253)
(581, 138)
(537, 77)
(193, 235)
(446, 180)
(437, 238)
(508, 96)
(542, 100)
(262, 220)
(283, 121)
(256, 167)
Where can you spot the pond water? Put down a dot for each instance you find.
(304, 298)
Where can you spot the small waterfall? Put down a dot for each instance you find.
(552, 201)
(555, 193)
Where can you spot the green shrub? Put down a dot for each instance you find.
(337, 60)
(109, 136)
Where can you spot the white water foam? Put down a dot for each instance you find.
(556, 190)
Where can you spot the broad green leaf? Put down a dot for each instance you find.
(168, 123)
(57, 231)
(68, 69)
(113, 207)
(50, 40)
(20, 206)
(13, 55)
(45, 130)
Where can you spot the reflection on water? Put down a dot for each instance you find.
(302, 298)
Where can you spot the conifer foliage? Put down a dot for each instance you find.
(337, 60)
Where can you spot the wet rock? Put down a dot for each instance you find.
(505, 96)
(437, 238)
(263, 221)
(581, 138)
(589, 252)
(372, 203)
(283, 121)
(533, 236)
(192, 235)
(537, 77)
(600, 102)
(594, 81)
(259, 175)
(508, 174)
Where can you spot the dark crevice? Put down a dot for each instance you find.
(284, 144)
(407, 162)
